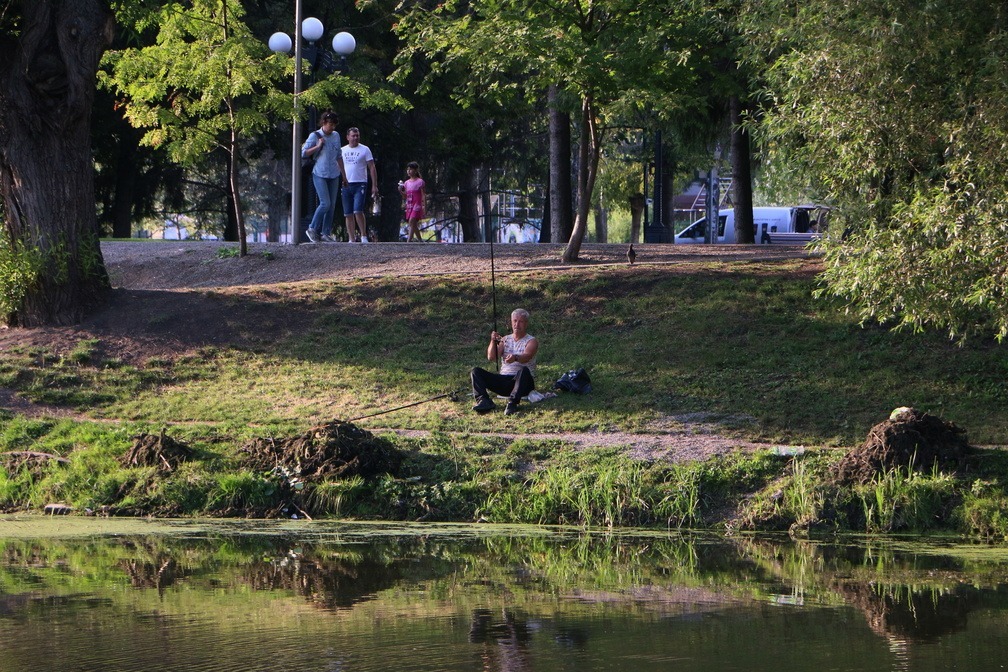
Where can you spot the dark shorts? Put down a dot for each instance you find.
(353, 197)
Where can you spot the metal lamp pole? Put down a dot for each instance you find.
(343, 44)
(295, 224)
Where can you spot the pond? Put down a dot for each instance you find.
(144, 595)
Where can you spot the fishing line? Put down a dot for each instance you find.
(399, 408)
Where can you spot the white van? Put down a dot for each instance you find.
(797, 224)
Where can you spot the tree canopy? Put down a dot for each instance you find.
(898, 113)
(614, 56)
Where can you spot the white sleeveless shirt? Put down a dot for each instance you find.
(513, 347)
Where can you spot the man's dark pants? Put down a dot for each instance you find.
(514, 386)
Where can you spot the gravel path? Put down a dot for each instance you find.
(181, 265)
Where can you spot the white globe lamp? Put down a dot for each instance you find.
(344, 44)
(312, 29)
(280, 43)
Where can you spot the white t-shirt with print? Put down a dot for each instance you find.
(355, 160)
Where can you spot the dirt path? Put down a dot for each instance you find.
(692, 440)
(192, 265)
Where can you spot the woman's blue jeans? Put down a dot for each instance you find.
(328, 191)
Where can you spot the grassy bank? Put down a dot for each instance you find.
(742, 347)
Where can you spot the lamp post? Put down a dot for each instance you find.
(309, 29)
(344, 45)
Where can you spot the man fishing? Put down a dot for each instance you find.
(515, 379)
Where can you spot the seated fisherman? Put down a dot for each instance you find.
(515, 379)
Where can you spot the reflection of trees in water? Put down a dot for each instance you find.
(159, 573)
(505, 640)
(328, 581)
(918, 610)
(904, 615)
(903, 612)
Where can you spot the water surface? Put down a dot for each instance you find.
(140, 595)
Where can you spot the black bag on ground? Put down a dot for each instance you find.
(575, 380)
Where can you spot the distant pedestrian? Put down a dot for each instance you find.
(323, 146)
(359, 164)
(414, 191)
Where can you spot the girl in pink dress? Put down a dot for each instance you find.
(413, 190)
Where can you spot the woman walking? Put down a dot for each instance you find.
(323, 147)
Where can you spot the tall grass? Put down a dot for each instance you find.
(901, 499)
(608, 495)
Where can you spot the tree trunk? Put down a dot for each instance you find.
(544, 225)
(234, 192)
(668, 193)
(50, 224)
(230, 220)
(601, 222)
(561, 222)
(469, 206)
(741, 175)
(637, 204)
(588, 159)
(277, 198)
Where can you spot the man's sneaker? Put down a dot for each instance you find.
(364, 239)
(483, 405)
(511, 408)
(312, 236)
(329, 239)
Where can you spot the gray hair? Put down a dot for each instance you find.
(520, 312)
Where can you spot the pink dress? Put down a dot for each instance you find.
(414, 199)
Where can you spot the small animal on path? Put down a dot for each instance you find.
(630, 254)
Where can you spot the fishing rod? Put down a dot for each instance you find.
(451, 394)
(493, 288)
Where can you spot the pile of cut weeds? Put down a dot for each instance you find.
(334, 450)
(909, 439)
(156, 450)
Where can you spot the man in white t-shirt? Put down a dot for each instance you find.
(515, 379)
(359, 164)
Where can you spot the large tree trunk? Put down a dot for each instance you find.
(561, 221)
(50, 224)
(741, 175)
(588, 159)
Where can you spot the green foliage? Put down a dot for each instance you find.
(794, 501)
(984, 511)
(19, 270)
(898, 113)
(205, 78)
(334, 498)
(601, 489)
(227, 252)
